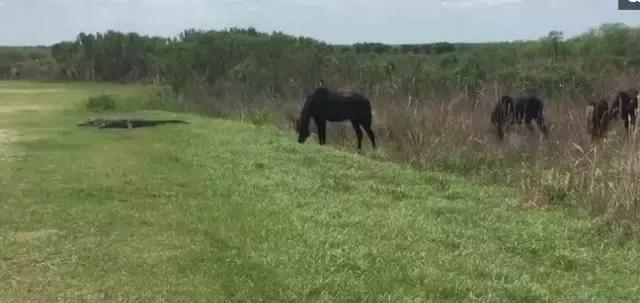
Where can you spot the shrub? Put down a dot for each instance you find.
(101, 102)
(163, 98)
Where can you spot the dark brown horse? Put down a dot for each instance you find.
(326, 105)
(597, 117)
(624, 107)
(509, 111)
(528, 109)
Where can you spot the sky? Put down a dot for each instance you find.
(44, 22)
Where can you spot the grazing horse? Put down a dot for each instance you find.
(597, 116)
(530, 108)
(502, 115)
(326, 105)
(624, 107)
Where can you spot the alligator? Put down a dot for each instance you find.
(127, 123)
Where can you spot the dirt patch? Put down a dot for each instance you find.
(31, 91)
(35, 236)
(4, 109)
(6, 136)
(8, 151)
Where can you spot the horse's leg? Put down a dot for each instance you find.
(519, 118)
(626, 122)
(542, 125)
(367, 127)
(500, 129)
(356, 128)
(321, 124)
(371, 135)
(528, 123)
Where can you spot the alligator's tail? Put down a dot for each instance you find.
(173, 121)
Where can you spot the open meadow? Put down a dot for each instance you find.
(225, 211)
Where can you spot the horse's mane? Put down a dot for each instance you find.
(304, 114)
(506, 100)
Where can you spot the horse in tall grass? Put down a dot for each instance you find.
(624, 107)
(503, 115)
(324, 105)
(529, 109)
(509, 111)
(597, 116)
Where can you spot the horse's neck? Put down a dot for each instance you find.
(305, 115)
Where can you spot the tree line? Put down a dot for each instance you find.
(276, 64)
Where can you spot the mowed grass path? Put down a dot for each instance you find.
(219, 211)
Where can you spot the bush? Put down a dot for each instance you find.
(163, 98)
(101, 103)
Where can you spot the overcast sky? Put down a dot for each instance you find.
(29, 22)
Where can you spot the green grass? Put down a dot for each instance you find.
(219, 211)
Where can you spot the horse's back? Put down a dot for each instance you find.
(344, 105)
(529, 100)
(348, 96)
(529, 104)
(348, 100)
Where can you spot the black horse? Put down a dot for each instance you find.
(597, 117)
(528, 109)
(327, 105)
(511, 111)
(624, 107)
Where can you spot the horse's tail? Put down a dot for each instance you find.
(543, 120)
(541, 112)
(369, 113)
(373, 112)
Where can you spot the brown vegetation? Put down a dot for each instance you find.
(566, 169)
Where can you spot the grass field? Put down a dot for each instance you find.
(220, 211)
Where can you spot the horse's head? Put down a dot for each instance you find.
(508, 104)
(303, 131)
(503, 110)
(506, 99)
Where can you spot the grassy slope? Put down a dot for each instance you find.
(222, 211)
